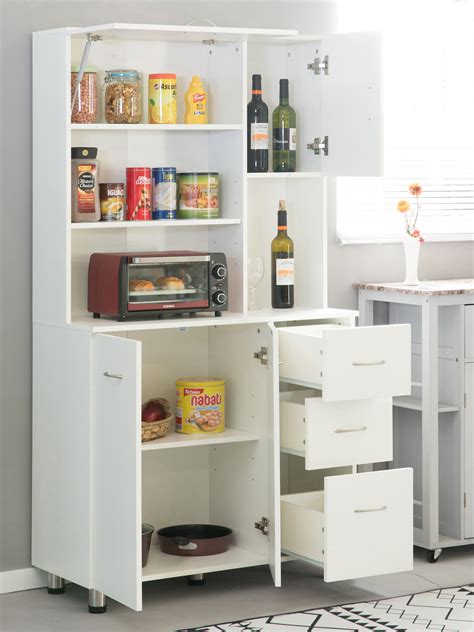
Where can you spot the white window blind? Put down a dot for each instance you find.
(429, 121)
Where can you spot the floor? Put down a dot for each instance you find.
(172, 604)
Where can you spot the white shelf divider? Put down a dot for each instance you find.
(152, 127)
(177, 440)
(157, 223)
(414, 403)
(283, 176)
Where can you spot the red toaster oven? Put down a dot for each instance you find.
(126, 285)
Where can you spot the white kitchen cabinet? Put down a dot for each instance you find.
(92, 474)
(469, 450)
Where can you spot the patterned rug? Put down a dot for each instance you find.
(443, 610)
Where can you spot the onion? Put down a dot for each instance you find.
(155, 410)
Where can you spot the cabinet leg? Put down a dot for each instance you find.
(197, 580)
(97, 602)
(55, 584)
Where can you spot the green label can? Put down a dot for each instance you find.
(198, 195)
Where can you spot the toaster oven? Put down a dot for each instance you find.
(127, 285)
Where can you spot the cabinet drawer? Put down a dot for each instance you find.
(360, 525)
(347, 362)
(334, 434)
(469, 332)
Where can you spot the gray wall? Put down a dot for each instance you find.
(18, 19)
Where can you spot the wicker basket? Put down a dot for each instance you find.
(152, 430)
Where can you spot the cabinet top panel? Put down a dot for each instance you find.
(176, 33)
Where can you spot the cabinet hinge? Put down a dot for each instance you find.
(263, 525)
(261, 355)
(319, 65)
(319, 146)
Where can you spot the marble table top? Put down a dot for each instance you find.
(444, 287)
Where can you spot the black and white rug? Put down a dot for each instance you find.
(443, 610)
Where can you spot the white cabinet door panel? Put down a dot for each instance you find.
(117, 469)
(469, 450)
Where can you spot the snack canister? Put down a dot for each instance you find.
(200, 406)
(164, 192)
(198, 195)
(162, 98)
(138, 193)
(112, 201)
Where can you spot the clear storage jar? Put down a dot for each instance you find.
(123, 96)
(84, 104)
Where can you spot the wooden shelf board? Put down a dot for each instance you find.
(284, 176)
(110, 325)
(414, 403)
(157, 223)
(176, 440)
(161, 565)
(154, 127)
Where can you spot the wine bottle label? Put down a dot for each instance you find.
(259, 136)
(292, 138)
(281, 139)
(285, 271)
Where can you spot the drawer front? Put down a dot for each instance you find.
(366, 362)
(368, 526)
(469, 332)
(347, 433)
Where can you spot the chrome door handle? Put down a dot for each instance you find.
(359, 429)
(369, 509)
(115, 376)
(378, 363)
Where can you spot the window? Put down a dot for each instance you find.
(429, 121)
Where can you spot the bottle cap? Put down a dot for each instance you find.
(284, 89)
(282, 205)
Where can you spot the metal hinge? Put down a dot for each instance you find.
(318, 66)
(263, 525)
(319, 146)
(261, 355)
(94, 38)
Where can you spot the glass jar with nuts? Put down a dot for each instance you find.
(84, 95)
(123, 96)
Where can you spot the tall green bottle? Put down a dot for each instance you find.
(284, 132)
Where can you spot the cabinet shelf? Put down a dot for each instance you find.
(414, 403)
(176, 440)
(161, 223)
(161, 565)
(284, 176)
(151, 127)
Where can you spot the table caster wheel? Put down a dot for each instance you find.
(433, 556)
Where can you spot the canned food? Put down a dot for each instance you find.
(198, 195)
(164, 192)
(162, 98)
(138, 193)
(112, 201)
(200, 405)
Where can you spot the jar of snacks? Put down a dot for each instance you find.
(84, 101)
(123, 96)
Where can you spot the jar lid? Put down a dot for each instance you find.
(75, 68)
(79, 153)
(200, 381)
(162, 76)
(122, 73)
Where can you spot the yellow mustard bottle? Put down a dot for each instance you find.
(196, 102)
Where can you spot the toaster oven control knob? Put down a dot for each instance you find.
(219, 297)
(219, 271)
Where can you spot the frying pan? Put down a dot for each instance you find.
(194, 539)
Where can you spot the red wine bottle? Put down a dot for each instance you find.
(257, 129)
(283, 264)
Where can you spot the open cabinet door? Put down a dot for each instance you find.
(351, 106)
(116, 472)
(274, 533)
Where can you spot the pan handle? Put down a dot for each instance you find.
(184, 544)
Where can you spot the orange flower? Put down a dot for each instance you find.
(416, 233)
(415, 189)
(403, 206)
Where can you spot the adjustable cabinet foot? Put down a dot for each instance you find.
(197, 580)
(55, 584)
(97, 602)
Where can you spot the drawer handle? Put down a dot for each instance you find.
(367, 510)
(114, 376)
(359, 429)
(378, 363)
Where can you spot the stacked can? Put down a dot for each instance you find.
(138, 193)
(164, 192)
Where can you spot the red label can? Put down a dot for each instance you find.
(138, 193)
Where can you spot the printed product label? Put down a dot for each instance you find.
(285, 271)
(200, 410)
(86, 175)
(259, 136)
(281, 139)
(292, 138)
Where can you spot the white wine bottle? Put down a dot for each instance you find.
(283, 264)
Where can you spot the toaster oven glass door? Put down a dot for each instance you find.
(168, 283)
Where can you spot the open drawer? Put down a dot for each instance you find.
(347, 362)
(360, 525)
(334, 434)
